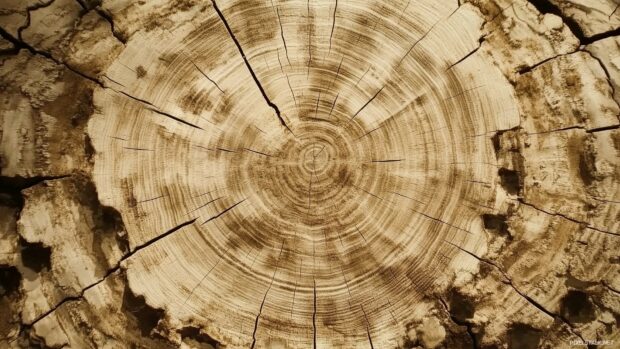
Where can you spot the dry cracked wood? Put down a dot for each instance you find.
(309, 174)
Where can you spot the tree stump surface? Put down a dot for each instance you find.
(309, 174)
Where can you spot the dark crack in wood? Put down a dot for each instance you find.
(223, 212)
(247, 64)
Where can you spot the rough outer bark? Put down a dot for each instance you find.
(269, 174)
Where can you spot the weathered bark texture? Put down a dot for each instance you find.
(309, 174)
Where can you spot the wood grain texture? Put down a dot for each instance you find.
(309, 174)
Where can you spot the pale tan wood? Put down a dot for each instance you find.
(309, 174)
(592, 17)
(297, 246)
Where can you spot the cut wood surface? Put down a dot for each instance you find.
(309, 174)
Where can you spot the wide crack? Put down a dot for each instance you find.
(468, 325)
(546, 6)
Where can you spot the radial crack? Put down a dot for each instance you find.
(309, 40)
(557, 214)
(260, 310)
(316, 109)
(257, 152)
(203, 279)
(157, 111)
(247, 64)
(519, 292)
(78, 297)
(151, 107)
(207, 77)
(417, 42)
(282, 36)
(367, 328)
(159, 237)
(205, 204)
(331, 109)
(314, 317)
(18, 43)
(480, 41)
(288, 81)
(440, 221)
(389, 160)
(331, 34)
(109, 272)
(367, 103)
(138, 149)
(223, 212)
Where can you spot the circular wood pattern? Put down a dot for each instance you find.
(309, 174)
(324, 160)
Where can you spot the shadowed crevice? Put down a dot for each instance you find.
(509, 282)
(523, 336)
(511, 181)
(461, 311)
(576, 307)
(10, 280)
(546, 6)
(146, 316)
(35, 256)
(197, 335)
(496, 223)
(15, 184)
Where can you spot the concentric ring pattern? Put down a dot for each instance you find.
(317, 164)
